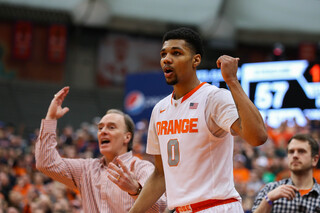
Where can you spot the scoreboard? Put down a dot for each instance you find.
(281, 90)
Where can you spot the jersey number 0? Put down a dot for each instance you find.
(173, 152)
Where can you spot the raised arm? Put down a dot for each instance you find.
(55, 110)
(152, 190)
(250, 125)
(48, 160)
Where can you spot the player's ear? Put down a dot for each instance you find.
(196, 60)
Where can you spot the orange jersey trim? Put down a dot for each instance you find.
(192, 92)
(196, 207)
(189, 93)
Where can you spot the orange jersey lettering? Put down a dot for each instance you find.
(177, 126)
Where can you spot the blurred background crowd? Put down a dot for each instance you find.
(94, 46)
(24, 189)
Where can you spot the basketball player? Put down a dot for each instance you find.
(190, 132)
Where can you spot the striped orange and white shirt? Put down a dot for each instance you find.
(89, 176)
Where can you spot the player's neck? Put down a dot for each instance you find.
(182, 89)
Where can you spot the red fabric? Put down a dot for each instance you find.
(196, 207)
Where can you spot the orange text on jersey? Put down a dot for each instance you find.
(177, 126)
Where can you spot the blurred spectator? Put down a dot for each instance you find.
(265, 163)
(16, 200)
(255, 182)
(23, 187)
(140, 138)
(281, 135)
(67, 136)
(12, 210)
(240, 172)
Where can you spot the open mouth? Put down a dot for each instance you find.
(105, 142)
(168, 70)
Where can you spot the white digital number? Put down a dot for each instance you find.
(270, 94)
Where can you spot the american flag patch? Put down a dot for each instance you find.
(193, 106)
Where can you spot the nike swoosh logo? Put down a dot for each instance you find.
(161, 111)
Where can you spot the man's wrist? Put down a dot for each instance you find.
(233, 82)
(138, 191)
(270, 202)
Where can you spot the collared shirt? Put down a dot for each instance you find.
(309, 203)
(89, 176)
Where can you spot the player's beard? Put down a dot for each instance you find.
(172, 81)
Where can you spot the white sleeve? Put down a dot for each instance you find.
(221, 109)
(153, 147)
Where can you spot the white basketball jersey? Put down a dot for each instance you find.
(197, 165)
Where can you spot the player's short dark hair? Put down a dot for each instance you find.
(308, 138)
(128, 122)
(192, 38)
